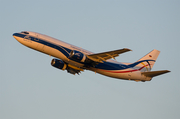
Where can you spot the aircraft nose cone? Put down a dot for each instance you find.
(14, 34)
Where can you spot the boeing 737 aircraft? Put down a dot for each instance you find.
(74, 59)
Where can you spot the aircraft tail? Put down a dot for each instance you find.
(147, 62)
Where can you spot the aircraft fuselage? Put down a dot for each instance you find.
(63, 51)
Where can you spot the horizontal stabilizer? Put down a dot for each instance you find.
(155, 73)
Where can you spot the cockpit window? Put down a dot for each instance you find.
(25, 32)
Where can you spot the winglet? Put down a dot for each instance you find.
(154, 73)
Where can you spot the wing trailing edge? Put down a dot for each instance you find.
(100, 57)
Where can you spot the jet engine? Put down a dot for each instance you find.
(58, 64)
(63, 66)
(77, 56)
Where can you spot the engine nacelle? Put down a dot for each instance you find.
(77, 56)
(58, 64)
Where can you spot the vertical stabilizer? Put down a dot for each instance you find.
(147, 62)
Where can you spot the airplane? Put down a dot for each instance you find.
(75, 60)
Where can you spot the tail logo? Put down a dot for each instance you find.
(150, 55)
(145, 65)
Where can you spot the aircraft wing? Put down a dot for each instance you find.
(100, 57)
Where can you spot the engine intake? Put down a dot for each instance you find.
(58, 64)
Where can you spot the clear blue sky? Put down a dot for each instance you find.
(30, 88)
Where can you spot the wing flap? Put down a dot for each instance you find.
(155, 73)
(99, 57)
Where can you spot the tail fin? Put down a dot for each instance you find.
(147, 62)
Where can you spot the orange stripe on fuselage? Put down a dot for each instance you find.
(144, 65)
